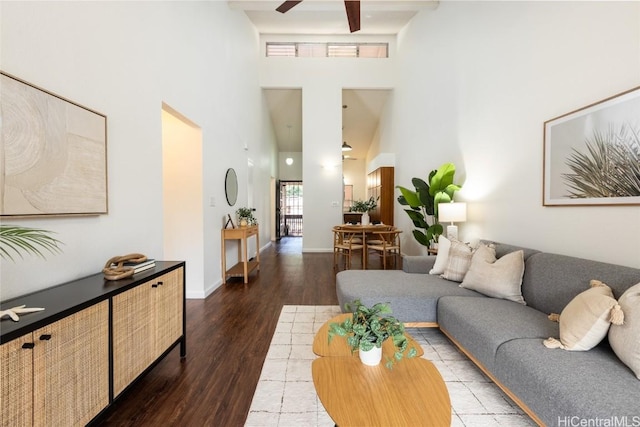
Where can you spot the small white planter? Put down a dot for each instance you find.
(371, 357)
(365, 219)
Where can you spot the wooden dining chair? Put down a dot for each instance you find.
(345, 243)
(386, 244)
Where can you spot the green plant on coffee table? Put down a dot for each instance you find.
(423, 202)
(363, 206)
(247, 215)
(369, 327)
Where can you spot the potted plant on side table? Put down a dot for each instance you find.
(368, 328)
(245, 217)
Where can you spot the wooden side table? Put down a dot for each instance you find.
(244, 267)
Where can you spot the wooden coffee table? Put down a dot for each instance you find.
(413, 393)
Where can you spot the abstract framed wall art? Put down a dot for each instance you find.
(53, 154)
(592, 155)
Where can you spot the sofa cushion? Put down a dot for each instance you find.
(458, 261)
(481, 325)
(558, 385)
(625, 338)
(500, 278)
(413, 297)
(550, 281)
(442, 258)
(585, 321)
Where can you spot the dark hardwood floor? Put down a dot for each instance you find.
(228, 335)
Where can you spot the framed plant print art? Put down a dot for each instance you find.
(592, 155)
(53, 154)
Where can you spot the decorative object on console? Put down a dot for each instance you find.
(591, 155)
(585, 321)
(15, 238)
(424, 201)
(21, 309)
(56, 143)
(452, 212)
(245, 217)
(369, 328)
(121, 267)
(364, 206)
(625, 338)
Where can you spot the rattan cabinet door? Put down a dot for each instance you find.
(16, 382)
(71, 368)
(169, 304)
(133, 334)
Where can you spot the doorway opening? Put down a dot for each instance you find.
(183, 226)
(291, 201)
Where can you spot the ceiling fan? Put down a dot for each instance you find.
(352, 7)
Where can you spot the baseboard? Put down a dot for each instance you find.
(508, 392)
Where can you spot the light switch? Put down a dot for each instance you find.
(212, 201)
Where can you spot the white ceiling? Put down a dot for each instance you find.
(361, 117)
(329, 16)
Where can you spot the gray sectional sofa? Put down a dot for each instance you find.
(505, 338)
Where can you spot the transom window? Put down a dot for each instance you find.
(323, 50)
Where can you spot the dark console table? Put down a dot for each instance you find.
(68, 363)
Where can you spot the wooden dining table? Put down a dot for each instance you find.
(364, 230)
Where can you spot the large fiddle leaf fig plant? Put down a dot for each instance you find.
(423, 202)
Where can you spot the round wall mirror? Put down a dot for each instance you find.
(231, 186)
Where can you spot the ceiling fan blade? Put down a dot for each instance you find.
(287, 5)
(353, 14)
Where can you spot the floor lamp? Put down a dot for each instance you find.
(452, 212)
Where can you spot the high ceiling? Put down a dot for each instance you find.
(329, 16)
(361, 117)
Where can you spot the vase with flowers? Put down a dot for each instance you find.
(364, 206)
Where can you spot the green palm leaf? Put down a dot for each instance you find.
(14, 240)
(610, 166)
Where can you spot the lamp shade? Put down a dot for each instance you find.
(452, 212)
(345, 146)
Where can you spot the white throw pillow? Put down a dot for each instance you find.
(625, 338)
(444, 245)
(500, 278)
(458, 261)
(585, 321)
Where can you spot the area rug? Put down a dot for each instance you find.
(285, 395)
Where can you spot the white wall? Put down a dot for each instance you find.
(354, 173)
(476, 81)
(124, 59)
(322, 81)
(182, 194)
(292, 172)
